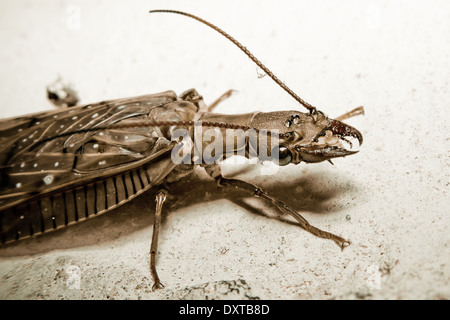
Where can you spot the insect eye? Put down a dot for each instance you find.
(281, 155)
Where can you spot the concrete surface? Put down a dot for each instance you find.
(391, 200)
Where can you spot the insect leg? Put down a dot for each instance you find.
(355, 112)
(61, 95)
(160, 198)
(214, 172)
(223, 97)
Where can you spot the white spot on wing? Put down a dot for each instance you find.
(48, 179)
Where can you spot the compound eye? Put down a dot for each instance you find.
(281, 155)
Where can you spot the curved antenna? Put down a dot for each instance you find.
(247, 52)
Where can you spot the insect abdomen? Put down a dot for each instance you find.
(71, 206)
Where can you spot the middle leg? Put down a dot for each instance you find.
(160, 198)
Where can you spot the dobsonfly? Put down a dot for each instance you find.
(65, 166)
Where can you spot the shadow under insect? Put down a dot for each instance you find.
(313, 192)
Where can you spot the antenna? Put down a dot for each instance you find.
(246, 51)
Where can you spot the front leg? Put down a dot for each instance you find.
(215, 172)
(353, 113)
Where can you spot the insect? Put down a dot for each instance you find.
(64, 166)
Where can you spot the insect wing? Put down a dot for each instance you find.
(29, 168)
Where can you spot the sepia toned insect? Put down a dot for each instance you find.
(62, 167)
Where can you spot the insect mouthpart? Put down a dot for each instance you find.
(336, 140)
(350, 143)
(346, 133)
(341, 135)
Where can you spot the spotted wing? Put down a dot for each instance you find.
(29, 168)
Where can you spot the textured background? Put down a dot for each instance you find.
(391, 200)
